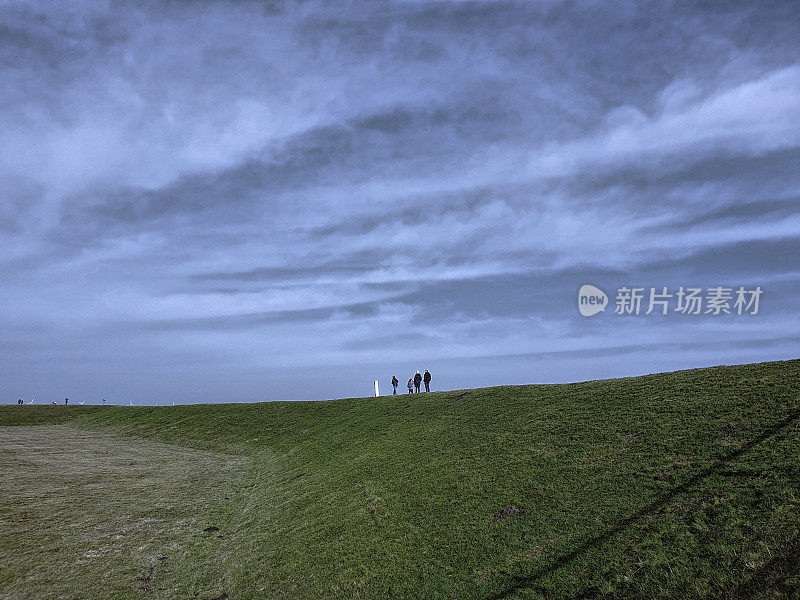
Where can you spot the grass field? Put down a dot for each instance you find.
(676, 485)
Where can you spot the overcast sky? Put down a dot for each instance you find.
(235, 201)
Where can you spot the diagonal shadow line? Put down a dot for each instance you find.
(521, 582)
(786, 564)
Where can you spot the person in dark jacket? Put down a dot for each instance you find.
(410, 385)
(395, 383)
(427, 379)
(417, 382)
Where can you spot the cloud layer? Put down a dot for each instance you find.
(225, 201)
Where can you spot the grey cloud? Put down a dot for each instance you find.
(297, 188)
(640, 349)
(249, 321)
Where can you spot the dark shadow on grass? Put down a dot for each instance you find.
(771, 575)
(520, 582)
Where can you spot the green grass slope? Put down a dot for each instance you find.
(675, 485)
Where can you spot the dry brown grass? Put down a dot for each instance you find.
(92, 515)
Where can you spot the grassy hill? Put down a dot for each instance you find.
(675, 485)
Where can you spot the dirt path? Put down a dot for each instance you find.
(92, 515)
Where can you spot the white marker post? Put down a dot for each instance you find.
(376, 389)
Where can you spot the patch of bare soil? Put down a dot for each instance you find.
(508, 511)
(457, 398)
(731, 428)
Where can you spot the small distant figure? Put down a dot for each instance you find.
(417, 382)
(19, 401)
(54, 402)
(410, 385)
(395, 383)
(66, 401)
(104, 401)
(427, 379)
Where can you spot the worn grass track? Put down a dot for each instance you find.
(92, 515)
(676, 485)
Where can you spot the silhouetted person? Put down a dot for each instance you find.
(410, 384)
(66, 401)
(395, 383)
(417, 382)
(427, 380)
(19, 401)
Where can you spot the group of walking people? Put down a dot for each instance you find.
(414, 382)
